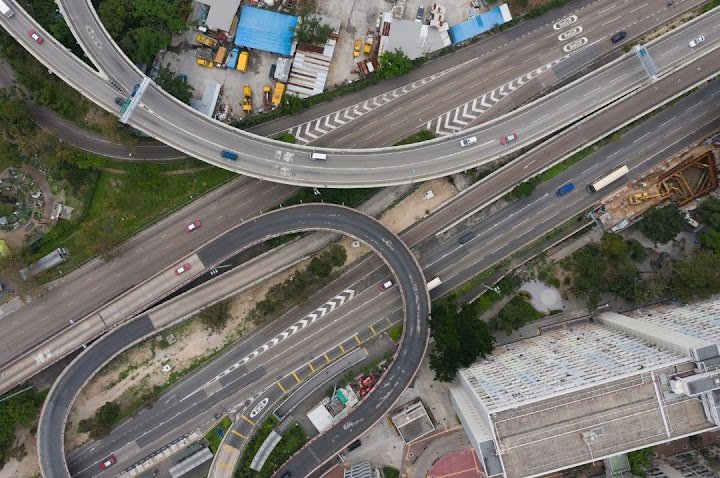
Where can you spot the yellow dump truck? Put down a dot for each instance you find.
(205, 40)
(220, 55)
(278, 93)
(247, 99)
(243, 61)
(267, 96)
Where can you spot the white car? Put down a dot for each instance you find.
(695, 42)
(468, 141)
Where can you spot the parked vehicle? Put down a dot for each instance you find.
(468, 141)
(509, 138)
(220, 55)
(135, 89)
(368, 44)
(247, 99)
(119, 100)
(205, 62)
(233, 58)
(619, 36)
(273, 68)
(205, 40)
(420, 14)
(357, 47)
(354, 445)
(267, 96)
(109, 461)
(243, 60)
(278, 93)
(229, 155)
(564, 189)
(182, 269)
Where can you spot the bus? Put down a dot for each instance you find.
(433, 283)
(598, 184)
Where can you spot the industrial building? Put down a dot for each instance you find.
(587, 390)
(220, 14)
(266, 30)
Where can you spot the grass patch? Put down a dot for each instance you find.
(286, 137)
(215, 436)
(117, 203)
(390, 472)
(395, 332)
(243, 469)
(292, 440)
(346, 197)
(420, 136)
(516, 313)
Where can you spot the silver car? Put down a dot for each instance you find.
(696, 41)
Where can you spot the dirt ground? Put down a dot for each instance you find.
(28, 466)
(415, 206)
(142, 364)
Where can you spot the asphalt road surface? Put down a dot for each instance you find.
(496, 236)
(185, 129)
(411, 283)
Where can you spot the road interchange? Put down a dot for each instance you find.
(184, 129)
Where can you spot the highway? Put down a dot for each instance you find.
(184, 129)
(522, 222)
(409, 277)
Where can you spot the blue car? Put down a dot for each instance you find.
(229, 155)
(563, 190)
(135, 89)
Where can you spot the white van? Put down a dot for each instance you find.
(318, 156)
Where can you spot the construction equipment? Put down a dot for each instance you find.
(368, 43)
(637, 198)
(205, 62)
(205, 40)
(247, 99)
(267, 96)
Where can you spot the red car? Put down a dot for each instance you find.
(509, 138)
(386, 285)
(110, 461)
(183, 268)
(193, 225)
(34, 35)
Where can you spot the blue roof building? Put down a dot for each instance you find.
(479, 24)
(266, 30)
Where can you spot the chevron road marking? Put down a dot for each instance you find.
(458, 118)
(337, 301)
(310, 131)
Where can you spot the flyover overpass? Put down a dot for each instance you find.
(397, 256)
(183, 128)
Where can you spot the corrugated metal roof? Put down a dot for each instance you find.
(479, 24)
(222, 13)
(266, 30)
(310, 69)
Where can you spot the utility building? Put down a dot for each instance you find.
(587, 390)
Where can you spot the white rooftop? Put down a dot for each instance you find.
(221, 14)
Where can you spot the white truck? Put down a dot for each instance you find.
(5, 10)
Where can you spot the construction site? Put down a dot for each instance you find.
(681, 179)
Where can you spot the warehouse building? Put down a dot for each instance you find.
(591, 389)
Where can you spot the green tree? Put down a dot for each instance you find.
(636, 250)
(460, 338)
(15, 117)
(173, 84)
(114, 15)
(710, 211)
(215, 317)
(639, 460)
(711, 240)
(147, 41)
(100, 424)
(613, 246)
(516, 313)
(394, 63)
(697, 277)
(311, 30)
(662, 224)
(159, 12)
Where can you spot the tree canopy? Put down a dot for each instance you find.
(20, 410)
(394, 63)
(311, 30)
(460, 338)
(142, 27)
(174, 84)
(697, 277)
(662, 224)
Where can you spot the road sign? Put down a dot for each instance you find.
(129, 106)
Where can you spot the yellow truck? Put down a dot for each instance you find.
(357, 47)
(205, 40)
(243, 61)
(278, 93)
(247, 99)
(267, 95)
(368, 44)
(205, 62)
(220, 55)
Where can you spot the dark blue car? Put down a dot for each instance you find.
(229, 155)
(563, 190)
